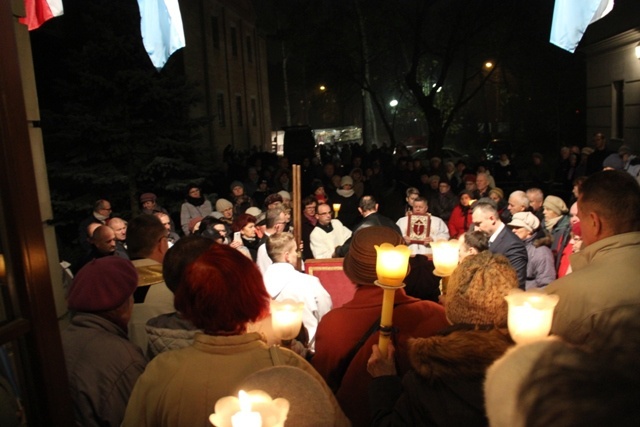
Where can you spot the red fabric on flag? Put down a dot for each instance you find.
(40, 11)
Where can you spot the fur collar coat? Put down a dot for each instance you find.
(444, 388)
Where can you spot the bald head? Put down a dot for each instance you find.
(119, 227)
(104, 239)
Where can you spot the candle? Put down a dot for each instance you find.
(336, 208)
(231, 411)
(3, 268)
(445, 257)
(392, 263)
(530, 315)
(245, 418)
(286, 318)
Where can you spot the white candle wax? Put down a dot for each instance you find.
(246, 417)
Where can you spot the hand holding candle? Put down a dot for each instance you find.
(391, 268)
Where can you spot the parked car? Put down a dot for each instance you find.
(495, 147)
(448, 154)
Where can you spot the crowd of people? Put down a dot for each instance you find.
(171, 312)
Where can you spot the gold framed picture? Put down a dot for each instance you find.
(419, 228)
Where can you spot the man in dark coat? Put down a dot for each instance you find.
(501, 238)
(368, 208)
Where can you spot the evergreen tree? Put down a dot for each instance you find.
(116, 127)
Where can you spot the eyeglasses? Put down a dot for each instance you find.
(324, 213)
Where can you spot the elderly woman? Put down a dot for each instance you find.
(497, 195)
(224, 211)
(556, 222)
(245, 224)
(540, 265)
(195, 206)
(221, 293)
(445, 385)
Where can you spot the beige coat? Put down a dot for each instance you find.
(605, 277)
(180, 387)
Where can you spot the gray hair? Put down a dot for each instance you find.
(521, 198)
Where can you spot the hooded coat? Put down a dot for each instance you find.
(445, 386)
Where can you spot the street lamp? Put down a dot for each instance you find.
(393, 104)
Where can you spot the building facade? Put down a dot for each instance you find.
(226, 56)
(613, 75)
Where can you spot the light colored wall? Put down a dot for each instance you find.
(608, 61)
(218, 71)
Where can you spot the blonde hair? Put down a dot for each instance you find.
(277, 245)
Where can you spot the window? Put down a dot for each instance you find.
(617, 109)
(239, 109)
(249, 50)
(215, 31)
(234, 42)
(254, 113)
(221, 118)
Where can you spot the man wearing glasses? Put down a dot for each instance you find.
(100, 214)
(328, 235)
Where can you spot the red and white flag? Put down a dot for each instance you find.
(40, 11)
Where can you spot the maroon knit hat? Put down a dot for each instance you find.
(103, 284)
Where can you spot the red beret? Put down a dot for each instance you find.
(103, 284)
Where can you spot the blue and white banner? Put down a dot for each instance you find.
(571, 19)
(161, 28)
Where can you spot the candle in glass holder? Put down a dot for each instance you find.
(392, 263)
(336, 208)
(530, 315)
(445, 257)
(286, 318)
(231, 411)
